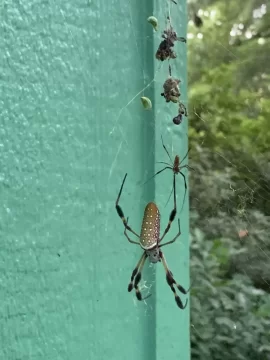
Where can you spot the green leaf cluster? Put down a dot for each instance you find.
(229, 132)
(230, 317)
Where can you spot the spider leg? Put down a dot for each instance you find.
(136, 278)
(171, 282)
(160, 171)
(164, 147)
(162, 162)
(169, 195)
(186, 154)
(176, 236)
(185, 189)
(173, 212)
(120, 211)
(188, 167)
(135, 272)
(129, 239)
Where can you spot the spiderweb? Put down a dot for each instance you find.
(147, 82)
(229, 185)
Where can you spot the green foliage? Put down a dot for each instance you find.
(229, 318)
(229, 85)
(229, 112)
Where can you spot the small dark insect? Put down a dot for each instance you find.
(165, 47)
(178, 119)
(149, 241)
(197, 21)
(176, 168)
(181, 111)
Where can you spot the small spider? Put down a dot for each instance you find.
(149, 241)
(171, 90)
(165, 47)
(176, 168)
(181, 111)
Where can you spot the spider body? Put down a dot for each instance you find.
(149, 241)
(175, 166)
(150, 231)
(150, 227)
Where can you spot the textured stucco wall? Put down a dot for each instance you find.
(67, 70)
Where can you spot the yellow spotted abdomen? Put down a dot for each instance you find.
(150, 226)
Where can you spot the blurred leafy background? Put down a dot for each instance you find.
(229, 118)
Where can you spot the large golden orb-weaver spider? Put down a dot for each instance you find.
(150, 240)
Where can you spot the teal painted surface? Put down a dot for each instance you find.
(172, 324)
(68, 70)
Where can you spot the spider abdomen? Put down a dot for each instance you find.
(150, 227)
(176, 164)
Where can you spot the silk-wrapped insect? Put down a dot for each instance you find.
(171, 90)
(182, 110)
(165, 50)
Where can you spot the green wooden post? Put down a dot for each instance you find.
(172, 324)
(68, 135)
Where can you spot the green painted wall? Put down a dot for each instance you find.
(67, 136)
